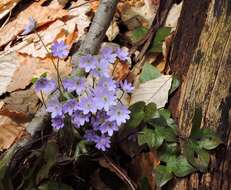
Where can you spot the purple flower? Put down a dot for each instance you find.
(30, 26)
(55, 108)
(103, 142)
(87, 62)
(126, 87)
(118, 113)
(107, 83)
(98, 119)
(80, 85)
(79, 119)
(90, 135)
(87, 105)
(109, 128)
(101, 69)
(76, 84)
(70, 106)
(104, 99)
(57, 122)
(45, 85)
(108, 55)
(69, 85)
(59, 49)
(121, 54)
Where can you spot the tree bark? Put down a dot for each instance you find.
(201, 55)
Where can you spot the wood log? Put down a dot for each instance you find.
(201, 55)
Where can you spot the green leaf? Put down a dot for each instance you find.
(51, 185)
(137, 114)
(149, 72)
(43, 75)
(168, 150)
(209, 140)
(150, 137)
(137, 34)
(34, 79)
(175, 85)
(81, 149)
(196, 155)
(147, 136)
(162, 33)
(163, 174)
(181, 167)
(4, 162)
(196, 122)
(49, 157)
(166, 133)
(149, 111)
(165, 113)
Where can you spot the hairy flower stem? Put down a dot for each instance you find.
(52, 60)
(43, 100)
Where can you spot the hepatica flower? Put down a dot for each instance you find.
(101, 69)
(126, 87)
(76, 84)
(102, 142)
(88, 62)
(70, 106)
(109, 127)
(121, 54)
(94, 108)
(79, 118)
(104, 99)
(86, 105)
(57, 122)
(59, 49)
(55, 108)
(45, 85)
(108, 55)
(118, 113)
(30, 26)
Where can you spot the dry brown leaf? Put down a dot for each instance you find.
(20, 105)
(6, 6)
(42, 15)
(142, 165)
(8, 135)
(121, 70)
(23, 74)
(145, 9)
(94, 5)
(8, 65)
(112, 31)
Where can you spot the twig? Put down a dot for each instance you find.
(161, 15)
(119, 172)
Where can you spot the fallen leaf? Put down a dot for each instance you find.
(120, 70)
(6, 6)
(22, 75)
(42, 15)
(8, 135)
(145, 9)
(112, 31)
(20, 104)
(155, 91)
(8, 65)
(173, 16)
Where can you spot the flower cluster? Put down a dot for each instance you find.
(94, 106)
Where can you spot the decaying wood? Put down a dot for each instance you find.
(206, 83)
